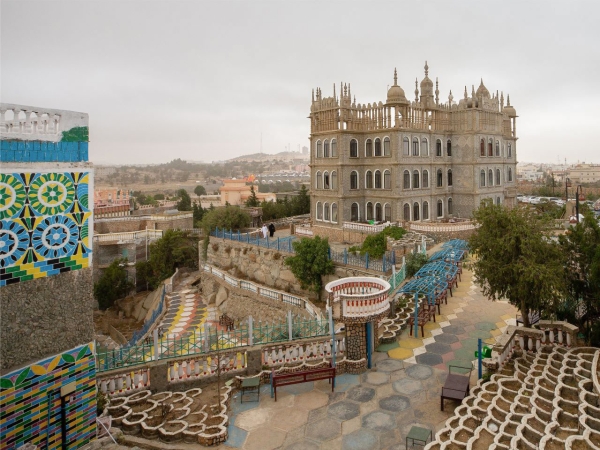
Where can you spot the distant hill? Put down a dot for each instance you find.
(270, 156)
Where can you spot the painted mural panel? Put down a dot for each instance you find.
(45, 221)
(30, 403)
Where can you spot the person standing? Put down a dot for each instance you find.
(271, 230)
(265, 231)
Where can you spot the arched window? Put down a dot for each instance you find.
(334, 180)
(354, 217)
(326, 149)
(440, 208)
(416, 177)
(490, 177)
(490, 147)
(387, 179)
(438, 148)
(498, 200)
(482, 178)
(369, 148)
(378, 212)
(416, 211)
(378, 179)
(450, 206)
(406, 212)
(497, 148)
(449, 147)
(497, 177)
(333, 148)
(405, 146)
(425, 179)
(509, 174)
(319, 149)
(326, 211)
(334, 213)
(415, 147)
(424, 147)
(354, 180)
(386, 146)
(425, 211)
(387, 213)
(449, 177)
(353, 148)
(482, 148)
(319, 211)
(440, 178)
(369, 180)
(509, 150)
(406, 182)
(369, 211)
(319, 181)
(326, 184)
(377, 147)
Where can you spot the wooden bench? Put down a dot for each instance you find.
(534, 317)
(227, 322)
(303, 377)
(457, 386)
(425, 314)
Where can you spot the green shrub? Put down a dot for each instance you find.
(375, 244)
(414, 262)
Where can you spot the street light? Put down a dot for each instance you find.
(577, 194)
(567, 186)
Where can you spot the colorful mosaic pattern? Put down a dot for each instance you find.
(30, 403)
(42, 151)
(44, 224)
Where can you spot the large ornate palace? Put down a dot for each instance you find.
(402, 160)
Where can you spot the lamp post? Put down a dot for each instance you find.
(567, 186)
(577, 194)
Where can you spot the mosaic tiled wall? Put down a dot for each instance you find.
(45, 223)
(30, 403)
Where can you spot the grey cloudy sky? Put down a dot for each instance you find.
(200, 80)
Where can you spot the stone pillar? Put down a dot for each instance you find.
(159, 376)
(254, 360)
(356, 341)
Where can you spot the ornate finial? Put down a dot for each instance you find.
(450, 97)
(502, 99)
(426, 69)
(473, 91)
(313, 95)
(333, 91)
(437, 91)
(507, 99)
(354, 103)
(345, 90)
(416, 90)
(395, 77)
(349, 92)
(466, 96)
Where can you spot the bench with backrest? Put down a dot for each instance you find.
(457, 385)
(327, 373)
(426, 312)
(534, 317)
(227, 322)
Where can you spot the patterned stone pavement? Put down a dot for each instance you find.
(377, 409)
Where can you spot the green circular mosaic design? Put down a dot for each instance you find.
(12, 195)
(51, 193)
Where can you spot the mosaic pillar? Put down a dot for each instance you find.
(356, 341)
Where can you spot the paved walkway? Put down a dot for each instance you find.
(377, 409)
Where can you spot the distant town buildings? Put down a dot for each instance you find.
(305, 150)
(584, 173)
(237, 192)
(419, 160)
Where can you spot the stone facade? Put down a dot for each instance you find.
(410, 160)
(356, 341)
(180, 221)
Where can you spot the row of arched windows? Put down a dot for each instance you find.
(488, 179)
(326, 180)
(418, 148)
(327, 212)
(373, 211)
(421, 212)
(421, 180)
(490, 148)
(326, 149)
(373, 148)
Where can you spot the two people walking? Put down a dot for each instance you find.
(268, 231)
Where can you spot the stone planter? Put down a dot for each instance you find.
(118, 413)
(172, 431)
(132, 425)
(161, 396)
(150, 431)
(117, 401)
(213, 435)
(139, 397)
(191, 433)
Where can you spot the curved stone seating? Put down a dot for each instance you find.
(544, 399)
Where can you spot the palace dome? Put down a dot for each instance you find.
(396, 94)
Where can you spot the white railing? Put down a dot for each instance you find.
(274, 355)
(360, 296)
(303, 231)
(203, 366)
(155, 217)
(273, 294)
(128, 236)
(365, 228)
(135, 378)
(443, 227)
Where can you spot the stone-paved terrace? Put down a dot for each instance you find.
(377, 409)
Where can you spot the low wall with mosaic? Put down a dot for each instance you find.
(30, 401)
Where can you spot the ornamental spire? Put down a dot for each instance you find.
(395, 77)
(426, 69)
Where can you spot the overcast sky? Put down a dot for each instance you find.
(201, 80)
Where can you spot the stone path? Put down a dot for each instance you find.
(377, 409)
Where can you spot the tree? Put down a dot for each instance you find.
(302, 202)
(185, 202)
(112, 284)
(175, 249)
(516, 260)
(198, 214)
(581, 245)
(252, 201)
(229, 217)
(310, 263)
(414, 262)
(200, 190)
